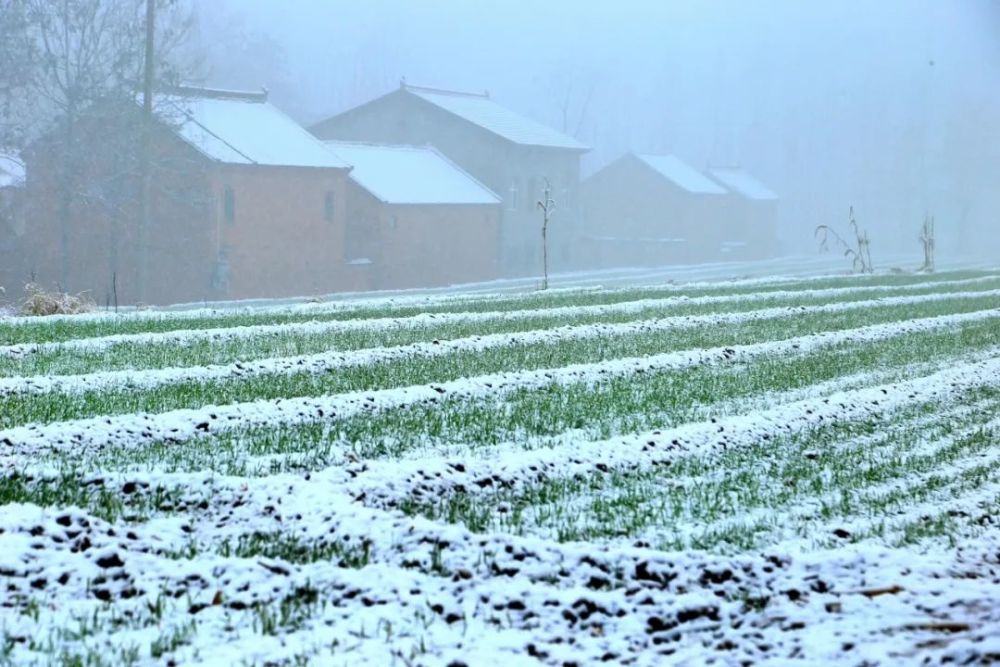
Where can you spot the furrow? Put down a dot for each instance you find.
(179, 425)
(96, 344)
(386, 483)
(329, 361)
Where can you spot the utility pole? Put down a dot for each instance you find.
(146, 158)
(547, 204)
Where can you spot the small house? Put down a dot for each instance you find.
(647, 210)
(509, 153)
(415, 219)
(246, 204)
(750, 225)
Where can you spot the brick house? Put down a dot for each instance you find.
(510, 154)
(246, 204)
(415, 219)
(644, 210)
(751, 220)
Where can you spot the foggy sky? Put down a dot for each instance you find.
(892, 106)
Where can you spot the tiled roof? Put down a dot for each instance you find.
(242, 128)
(682, 174)
(479, 109)
(738, 180)
(410, 175)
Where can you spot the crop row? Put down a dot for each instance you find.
(978, 330)
(790, 322)
(21, 335)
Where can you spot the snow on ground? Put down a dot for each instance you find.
(637, 306)
(327, 361)
(849, 518)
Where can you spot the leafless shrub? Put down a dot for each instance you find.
(40, 302)
(859, 253)
(547, 205)
(927, 241)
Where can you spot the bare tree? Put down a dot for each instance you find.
(927, 241)
(859, 253)
(74, 62)
(18, 61)
(547, 205)
(574, 107)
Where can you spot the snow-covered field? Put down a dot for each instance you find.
(797, 470)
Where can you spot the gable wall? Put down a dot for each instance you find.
(422, 245)
(633, 216)
(89, 241)
(279, 243)
(402, 117)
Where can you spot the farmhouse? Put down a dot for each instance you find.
(643, 210)
(415, 219)
(509, 153)
(751, 218)
(246, 204)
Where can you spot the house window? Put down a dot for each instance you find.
(513, 196)
(328, 207)
(229, 205)
(393, 222)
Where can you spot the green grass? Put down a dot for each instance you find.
(597, 410)
(780, 474)
(293, 549)
(924, 472)
(203, 352)
(197, 352)
(64, 329)
(19, 409)
(72, 489)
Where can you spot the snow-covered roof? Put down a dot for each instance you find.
(11, 170)
(410, 175)
(481, 110)
(740, 181)
(243, 128)
(682, 174)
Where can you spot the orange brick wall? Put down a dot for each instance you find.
(280, 243)
(632, 217)
(101, 240)
(428, 245)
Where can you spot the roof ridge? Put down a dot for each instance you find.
(217, 93)
(442, 91)
(376, 144)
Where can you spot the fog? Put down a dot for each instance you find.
(892, 107)
(157, 151)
